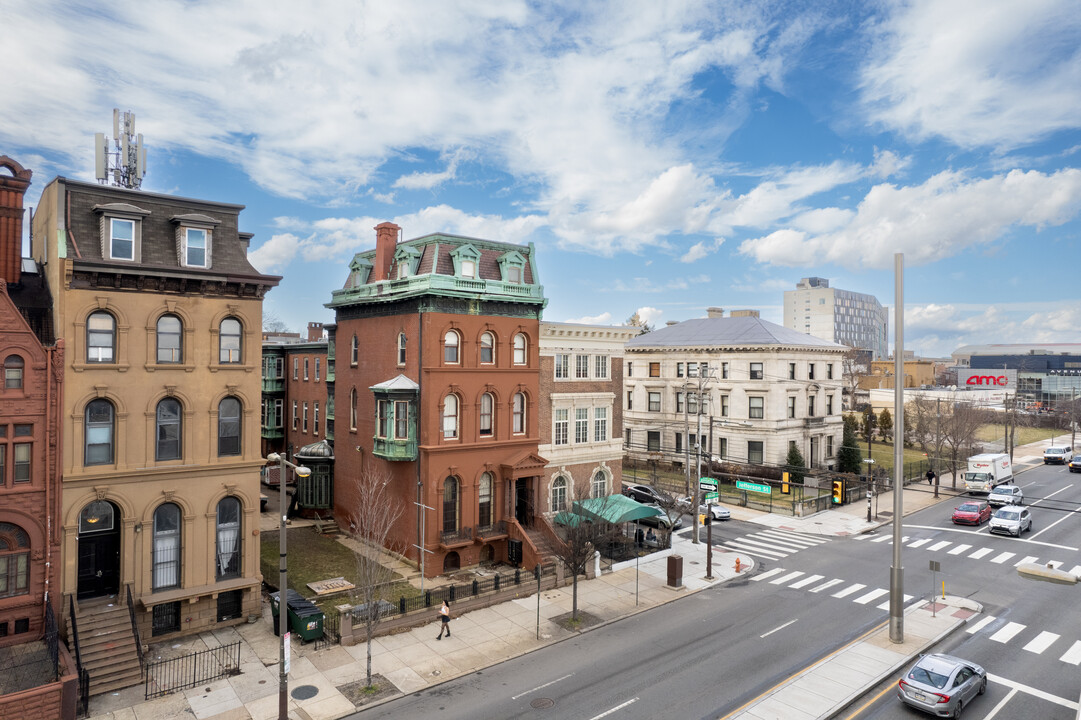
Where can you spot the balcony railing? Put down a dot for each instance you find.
(399, 450)
(273, 433)
(456, 537)
(273, 385)
(494, 530)
(227, 558)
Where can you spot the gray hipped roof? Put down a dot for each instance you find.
(728, 332)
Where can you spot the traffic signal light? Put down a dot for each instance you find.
(784, 483)
(838, 492)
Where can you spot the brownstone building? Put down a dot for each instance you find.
(436, 385)
(161, 313)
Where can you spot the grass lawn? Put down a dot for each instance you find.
(1022, 436)
(313, 557)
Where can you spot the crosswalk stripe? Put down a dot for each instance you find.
(771, 543)
(785, 578)
(884, 538)
(959, 549)
(1073, 655)
(826, 585)
(1002, 557)
(768, 573)
(987, 620)
(939, 545)
(806, 581)
(886, 605)
(920, 543)
(1029, 559)
(980, 553)
(855, 587)
(1075, 570)
(873, 595)
(790, 539)
(756, 550)
(1007, 632)
(1042, 641)
(798, 537)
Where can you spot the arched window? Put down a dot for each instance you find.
(559, 494)
(166, 552)
(353, 351)
(100, 338)
(169, 336)
(229, 341)
(450, 505)
(519, 349)
(13, 372)
(599, 486)
(486, 405)
(14, 560)
(401, 348)
(100, 433)
(229, 426)
(519, 413)
(168, 430)
(353, 409)
(484, 500)
(450, 347)
(228, 556)
(487, 348)
(450, 416)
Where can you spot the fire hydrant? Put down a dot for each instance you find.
(737, 565)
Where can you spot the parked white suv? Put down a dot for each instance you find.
(1058, 454)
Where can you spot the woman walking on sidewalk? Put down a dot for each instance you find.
(444, 619)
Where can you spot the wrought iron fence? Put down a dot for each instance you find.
(82, 701)
(456, 536)
(187, 671)
(332, 633)
(450, 593)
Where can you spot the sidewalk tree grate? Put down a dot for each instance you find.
(305, 692)
(542, 703)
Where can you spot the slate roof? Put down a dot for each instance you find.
(728, 332)
(443, 264)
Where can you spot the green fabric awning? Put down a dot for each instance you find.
(614, 509)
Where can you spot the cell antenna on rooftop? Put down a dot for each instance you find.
(125, 164)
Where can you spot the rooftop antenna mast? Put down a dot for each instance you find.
(125, 164)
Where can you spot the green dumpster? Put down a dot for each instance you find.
(305, 617)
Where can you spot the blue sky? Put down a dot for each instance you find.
(663, 157)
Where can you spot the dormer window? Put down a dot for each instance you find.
(121, 231)
(121, 239)
(512, 267)
(194, 247)
(407, 258)
(466, 260)
(469, 269)
(194, 239)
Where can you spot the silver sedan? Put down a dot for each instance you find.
(942, 685)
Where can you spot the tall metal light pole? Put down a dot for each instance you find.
(897, 572)
(283, 593)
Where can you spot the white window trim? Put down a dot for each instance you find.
(207, 235)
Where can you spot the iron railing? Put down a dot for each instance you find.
(135, 631)
(187, 671)
(227, 562)
(450, 593)
(497, 528)
(82, 701)
(456, 536)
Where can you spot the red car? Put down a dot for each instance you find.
(971, 513)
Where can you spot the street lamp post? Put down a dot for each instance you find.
(283, 594)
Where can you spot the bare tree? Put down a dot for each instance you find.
(925, 424)
(960, 422)
(854, 366)
(580, 539)
(272, 323)
(371, 519)
(1072, 413)
(637, 321)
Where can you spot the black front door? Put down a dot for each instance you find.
(99, 564)
(523, 502)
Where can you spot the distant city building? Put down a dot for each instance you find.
(769, 387)
(841, 316)
(1047, 373)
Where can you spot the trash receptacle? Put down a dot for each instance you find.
(305, 617)
(675, 571)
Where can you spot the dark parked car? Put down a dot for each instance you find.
(942, 685)
(1075, 464)
(971, 513)
(643, 494)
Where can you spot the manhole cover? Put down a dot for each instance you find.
(303, 692)
(542, 703)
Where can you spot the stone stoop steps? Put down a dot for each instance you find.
(107, 646)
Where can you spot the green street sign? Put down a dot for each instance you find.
(707, 481)
(710, 496)
(753, 487)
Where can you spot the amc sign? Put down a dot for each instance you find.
(987, 379)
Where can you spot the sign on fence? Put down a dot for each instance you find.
(753, 487)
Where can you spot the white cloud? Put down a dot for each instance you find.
(976, 72)
(701, 250)
(429, 180)
(777, 198)
(275, 253)
(649, 315)
(944, 216)
(602, 319)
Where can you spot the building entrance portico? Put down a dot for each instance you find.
(99, 550)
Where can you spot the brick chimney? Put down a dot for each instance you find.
(714, 312)
(315, 331)
(386, 239)
(12, 189)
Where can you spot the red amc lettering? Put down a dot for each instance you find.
(987, 380)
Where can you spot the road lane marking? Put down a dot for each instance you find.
(768, 573)
(763, 544)
(1032, 691)
(1007, 632)
(959, 549)
(980, 553)
(541, 687)
(1041, 532)
(790, 537)
(886, 605)
(785, 578)
(856, 587)
(920, 543)
(782, 627)
(617, 707)
(1028, 559)
(1075, 570)
(1002, 703)
(1073, 655)
(884, 538)
(981, 624)
(939, 545)
(873, 595)
(806, 581)
(1041, 642)
(827, 585)
(1002, 557)
(755, 550)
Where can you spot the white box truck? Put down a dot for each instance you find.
(987, 471)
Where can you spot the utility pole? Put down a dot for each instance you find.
(897, 571)
(938, 415)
